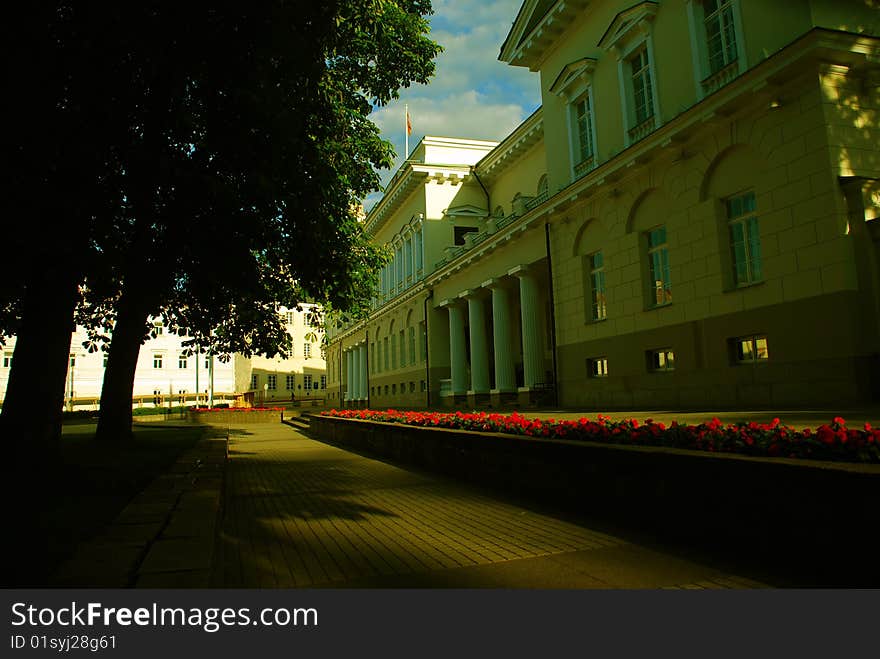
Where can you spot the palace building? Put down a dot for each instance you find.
(168, 374)
(690, 220)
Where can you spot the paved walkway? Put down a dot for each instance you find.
(299, 513)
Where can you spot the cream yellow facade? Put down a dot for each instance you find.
(690, 220)
(169, 373)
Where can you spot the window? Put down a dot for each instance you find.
(255, 381)
(72, 360)
(307, 381)
(307, 350)
(402, 349)
(720, 33)
(7, 360)
(643, 97)
(323, 382)
(181, 362)
(385, 354)
(207, 362)
(629, 38)
(461, 232)
(289, 317)
(157, 360)
(412, 346)
(658, 267)
(716, 43)
(423, 347)
(394, 351)
(423, 386)
(290, 382)
(105, 361)
(745, 240)
(598, 307)
(386, 389)
(272, 381)
(158, 329)
(661, 361)
(394, 388)
(417, 246)
(408, 258)
(412, 387)
(582, 118)
(399, 259)
(750, 350)
(597, 367)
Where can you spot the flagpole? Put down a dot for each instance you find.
(406, 132)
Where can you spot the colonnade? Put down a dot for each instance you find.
(531, 320)
(356, 371)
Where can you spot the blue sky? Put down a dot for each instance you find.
(472, 94)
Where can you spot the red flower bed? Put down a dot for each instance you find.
(832, 441)
(237, 409)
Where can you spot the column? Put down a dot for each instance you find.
(505, 375)
(355, 374)
(533, 359)
(457, 348)
(362, 353)
(349, 394)
(479, 350)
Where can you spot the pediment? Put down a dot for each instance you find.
(465, 210)
(572, 74)
(626, 23)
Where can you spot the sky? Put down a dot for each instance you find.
(472, 94)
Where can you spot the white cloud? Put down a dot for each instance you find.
(472, 94)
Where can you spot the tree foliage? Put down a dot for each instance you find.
(198, 162)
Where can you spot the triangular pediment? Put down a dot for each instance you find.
(626, 22)
(465, 210)
(579, 70)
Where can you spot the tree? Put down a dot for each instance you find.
(245, 129)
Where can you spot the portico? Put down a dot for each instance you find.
(496, 341)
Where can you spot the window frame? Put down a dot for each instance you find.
(655, 365)
(748, 222)
(597, 311)
(597, 373)
(752, 339)
(158, 361)
(650, 250)
(706, 81)
(573, 85)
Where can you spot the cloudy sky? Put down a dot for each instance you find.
(472, 94)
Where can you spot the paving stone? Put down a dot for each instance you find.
(304, 514)
(178, 554)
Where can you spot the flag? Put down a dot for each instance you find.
(408, 124)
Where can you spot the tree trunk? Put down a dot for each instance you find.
(30, 424)
(31, 417)
(133, 309)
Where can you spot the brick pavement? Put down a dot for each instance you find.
(299, 513)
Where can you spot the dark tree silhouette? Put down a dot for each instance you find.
(202, 162)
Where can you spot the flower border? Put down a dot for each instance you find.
(832, 441)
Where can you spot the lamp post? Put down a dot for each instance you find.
(265, 393)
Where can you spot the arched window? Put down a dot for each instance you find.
(543, 187)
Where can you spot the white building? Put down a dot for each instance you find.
(167, 375)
